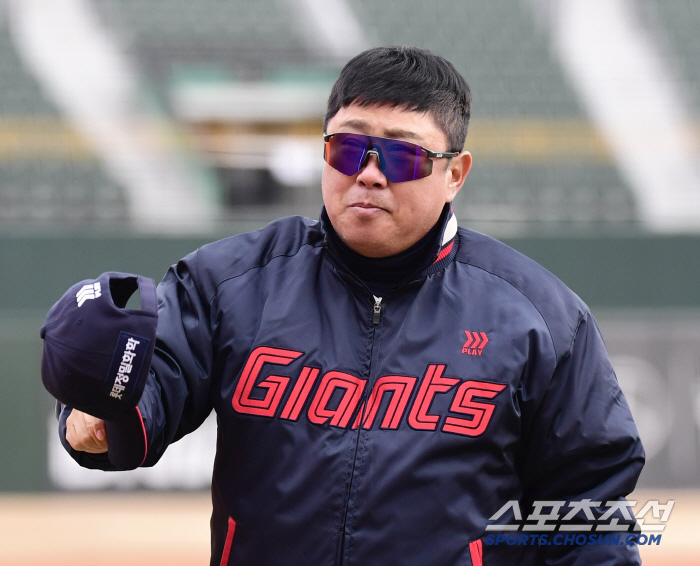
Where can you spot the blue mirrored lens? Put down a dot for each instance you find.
(399, 160)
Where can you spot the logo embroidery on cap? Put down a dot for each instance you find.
(125, 368)
(89, 291)
(130, 353)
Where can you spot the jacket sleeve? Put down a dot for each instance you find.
(176, 398)
(582, 445)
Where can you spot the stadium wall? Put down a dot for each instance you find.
(643, 289)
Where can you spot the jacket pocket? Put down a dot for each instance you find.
(476, 551)
(229, 541)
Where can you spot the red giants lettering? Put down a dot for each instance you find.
(275, 384)
(338, 397)
(301, 390)
(354, 386)
(433, 383)
(401, 388)
(480, 412)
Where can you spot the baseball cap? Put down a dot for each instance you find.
(97, 356)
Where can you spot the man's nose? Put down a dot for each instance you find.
(371, 174)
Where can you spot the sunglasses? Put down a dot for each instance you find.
(399, 160)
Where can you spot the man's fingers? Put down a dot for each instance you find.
(97, 430)
(86, 433)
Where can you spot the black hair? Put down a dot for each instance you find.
(408, 77)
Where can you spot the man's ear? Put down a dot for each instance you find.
(459, 168)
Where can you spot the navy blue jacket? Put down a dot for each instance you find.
(358, 432)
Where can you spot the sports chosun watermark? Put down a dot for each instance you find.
(579, 523)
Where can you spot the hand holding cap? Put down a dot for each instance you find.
(97, 356)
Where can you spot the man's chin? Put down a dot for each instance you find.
(368, 244)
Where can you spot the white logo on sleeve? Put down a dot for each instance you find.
(89, 291)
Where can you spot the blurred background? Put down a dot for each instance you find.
(133, 131)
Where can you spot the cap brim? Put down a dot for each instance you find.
(128, 444)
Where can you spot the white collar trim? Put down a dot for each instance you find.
(450, 230)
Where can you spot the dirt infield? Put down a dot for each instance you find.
(134, 529)
(159, 529)
(680, 544)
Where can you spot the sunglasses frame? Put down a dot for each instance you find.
(382, 159)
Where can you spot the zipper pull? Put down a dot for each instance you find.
(377, 311)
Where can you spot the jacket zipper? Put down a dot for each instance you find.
(376, 318)
(377, 310)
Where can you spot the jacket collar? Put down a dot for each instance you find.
(442, 247)
(449, 232)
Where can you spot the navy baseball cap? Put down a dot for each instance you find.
(97, 356)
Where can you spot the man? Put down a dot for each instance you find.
(384, 382)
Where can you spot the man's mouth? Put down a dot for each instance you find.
(367, 206)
